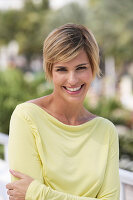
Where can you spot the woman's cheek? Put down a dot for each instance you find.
(59, 79)
(88, 76)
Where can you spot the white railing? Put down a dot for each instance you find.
(126, 181)
(4, 169)
(126, 177)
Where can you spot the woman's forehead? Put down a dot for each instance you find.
(81, 58)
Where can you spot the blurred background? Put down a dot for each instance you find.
(24, 24)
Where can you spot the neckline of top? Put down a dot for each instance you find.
(61, 124)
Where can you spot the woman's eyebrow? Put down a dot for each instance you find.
(75, 66)
(60, 67)
(81, 64)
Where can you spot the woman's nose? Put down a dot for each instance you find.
(72, 79)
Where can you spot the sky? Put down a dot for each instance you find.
(55, 4)
(7, 4)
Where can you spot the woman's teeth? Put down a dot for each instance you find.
(73, 89)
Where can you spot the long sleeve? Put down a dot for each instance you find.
(38, 191)
(22, 150)
(24, 157)
(110, 189)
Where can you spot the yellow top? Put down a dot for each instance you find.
(67, 162)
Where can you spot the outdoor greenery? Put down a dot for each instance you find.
(16, 88)
(112, 109)
(126, 146)
(24, 26)
(1, 152)
(112, 22)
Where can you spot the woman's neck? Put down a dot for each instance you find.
(69, 113)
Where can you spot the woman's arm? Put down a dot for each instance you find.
(23, 157)
(22, 149)
(110, 189)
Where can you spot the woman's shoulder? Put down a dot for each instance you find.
(29, 104)
(107, 126)
(32, 108)
(26, 113)
(27, 107)
(41, 101)
(101, 121)
(37, 101)
(106, 122)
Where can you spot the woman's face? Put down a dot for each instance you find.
(72, 79)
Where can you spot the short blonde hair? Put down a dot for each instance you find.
(65, 43)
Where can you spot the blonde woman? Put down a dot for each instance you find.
(57, 149)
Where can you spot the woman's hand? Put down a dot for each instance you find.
(17, 190)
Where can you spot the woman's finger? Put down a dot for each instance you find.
(17, 174)
(10, 192)
(10, 186)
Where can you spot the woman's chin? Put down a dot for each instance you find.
(74, 99)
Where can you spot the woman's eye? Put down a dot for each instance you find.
(81, 68)
(61, 69)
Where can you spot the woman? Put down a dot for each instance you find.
(58, 149)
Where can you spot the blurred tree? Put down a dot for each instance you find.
(112, 109)
(33, 5)
(11, 93)
(71, 13)
(112, 22)
(9, 23)
(29, 36)
(30, 6)
(24, 26)
(16, 88)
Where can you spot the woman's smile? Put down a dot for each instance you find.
(73, 90)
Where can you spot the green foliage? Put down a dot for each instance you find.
(110, 108)
(24, 26)
(9, 23)
(112, 23)
(71, 13)
(16, 88)
(104, 106)
(32, 5)
(126, 146)
(1, 151)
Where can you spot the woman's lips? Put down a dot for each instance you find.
(74, 92)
